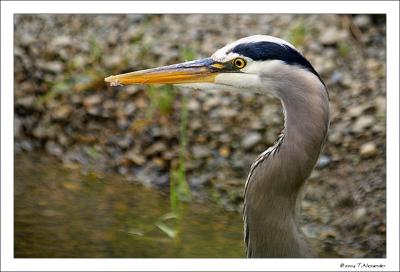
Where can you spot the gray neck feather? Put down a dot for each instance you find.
(274, 185)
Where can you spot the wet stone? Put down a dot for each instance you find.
(256, 125)
(216, 127)
(26, 101)
(122, 170)
(359, 215)
(199, 180)
(195, 124)
(200, 152)
(335, 137)
(362, 123)
(129, 109)
(123, 123)
(150, 176)
(95, 111)
(17, 127)
(63, 139)
(158, 147)
(122, 141)
(211, 103)
(60, 41)
(112, 61)
(135, 157)
(362, 20)
(27, 39)
(193, 105)
(333, 35)
(356, 110)
(251, 140)
(26, 145)
(224, 151)
(52, 66)
(336, 77)
(227, 112)
(380, 103)
(53, 148)
(368, 150)
(323, 161)
(92, 100)
(62, 112)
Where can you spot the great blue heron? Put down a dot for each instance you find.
(273, 187)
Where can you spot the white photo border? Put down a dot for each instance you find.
(8, 9)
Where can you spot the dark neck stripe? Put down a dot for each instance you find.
(262, 51)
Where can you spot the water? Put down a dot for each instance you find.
(61, 213)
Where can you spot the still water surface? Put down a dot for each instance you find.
(61, 213)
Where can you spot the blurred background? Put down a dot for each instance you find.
(141, 171)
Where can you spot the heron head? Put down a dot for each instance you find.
(242, 65)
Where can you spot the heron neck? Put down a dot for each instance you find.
(306, 125)
(272, 199)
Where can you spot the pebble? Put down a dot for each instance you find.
(62, 112)
(96, 111)
(195, 124)
(157, 147)
(136, 158)
(368, 150)
(356, 110)
(256, 125)
(199, 180)
(17, 127)
(129, 109)
(92, 100)
(359, 214)
(159, 162)
(323, 161)
(380, 103)
(123, 141)
(362, 123)
(335, 137)
(26, 101)
(193, 105)
(372, 64)
(211, 103)
(267, 112)
(200, 152)
(227, 112)
(337, 77)
(113, 61)
(53, 148)
(27, 39)
(51, 66)
(216, 127)
(224, 151)
(26, 145)
(378, 128)
(251, 140)
(362, 20)
(333, 35)
(60, 41)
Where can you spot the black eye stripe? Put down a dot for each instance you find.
(262, 51)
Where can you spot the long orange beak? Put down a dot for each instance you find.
(203, 70)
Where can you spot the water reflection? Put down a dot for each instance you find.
(61, 213)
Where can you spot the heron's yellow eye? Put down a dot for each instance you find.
(239, 63)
